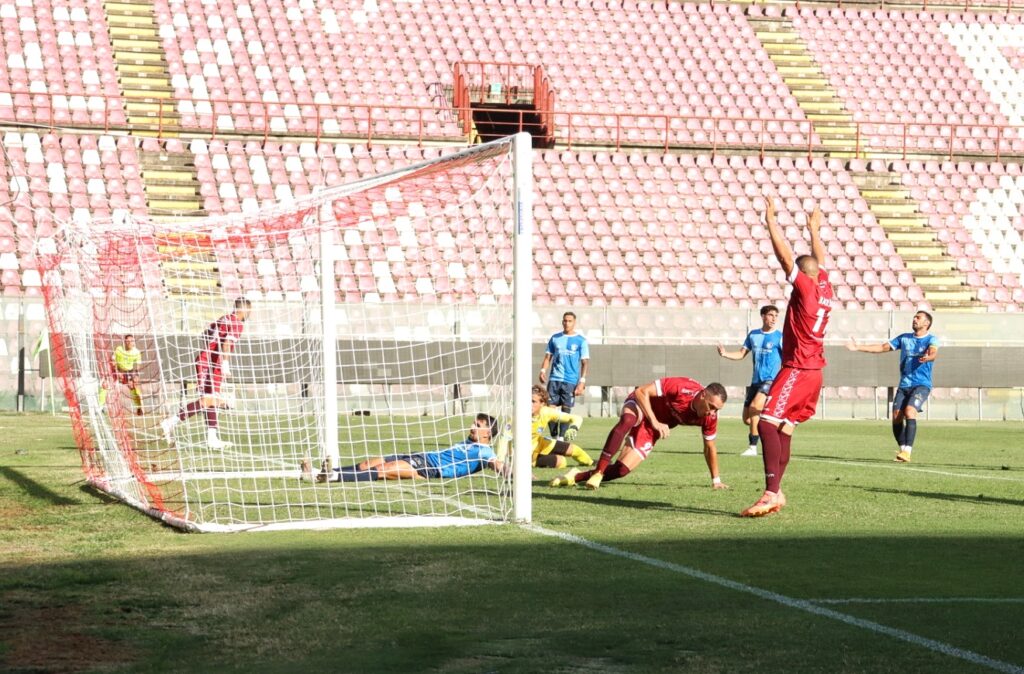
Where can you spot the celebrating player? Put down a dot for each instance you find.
(549, 452)
(219, 341)
(123, 366)
(647, 415)
(918, 350)
(793, 396)
(461, 459)
(569, 357)
(765, 344)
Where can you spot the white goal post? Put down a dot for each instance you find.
(287, 348)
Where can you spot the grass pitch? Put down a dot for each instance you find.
(931, 550)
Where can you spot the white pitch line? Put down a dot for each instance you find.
(922, 600)
(904, 467)
(800, 604)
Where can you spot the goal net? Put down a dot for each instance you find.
(354, 335)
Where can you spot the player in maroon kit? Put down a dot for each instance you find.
(211, 366)
(647, 415)
(794, 393)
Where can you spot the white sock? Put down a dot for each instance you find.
(908, 449)
(211, 435)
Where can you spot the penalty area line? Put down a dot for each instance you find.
(902, 467)
(799, 604)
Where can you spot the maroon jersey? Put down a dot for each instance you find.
(673, 405)
(803, 333)
(223, 331)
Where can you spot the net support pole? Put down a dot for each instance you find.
(329, 327)
(522, 311)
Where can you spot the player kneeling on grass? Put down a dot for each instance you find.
(461, 459)
(647, 415)
(547, 451)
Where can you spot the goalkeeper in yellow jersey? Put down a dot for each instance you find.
(549, 452)
(124, 364)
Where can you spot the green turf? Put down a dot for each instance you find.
(88, 584)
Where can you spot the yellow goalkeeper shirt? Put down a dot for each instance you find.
(126, 359)
(542, 442)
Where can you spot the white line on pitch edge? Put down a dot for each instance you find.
(921, 600)
(800, 604)
(904, 467)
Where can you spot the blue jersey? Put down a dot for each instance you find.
(567, 351)
(913, 372)
(767, 350)
(461, 459)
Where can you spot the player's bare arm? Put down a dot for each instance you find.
(582, 383)
(779, 244)
(929, 355)
(814, 227)
(733, 355)
(711, 458)
(643, 399)
(543, 378)
(852, 345)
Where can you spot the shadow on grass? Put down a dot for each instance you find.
(961, 498)
(34, 489)
(664, 506)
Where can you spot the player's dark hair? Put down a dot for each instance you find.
(133, 336)
(492, 422)
(538, 390)
(243, 303)
(769, 308)
(716, 389)
(928, 316)
(802, 260)
(569, 313)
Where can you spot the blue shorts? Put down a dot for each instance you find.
(561, 394)
(910, 397)
(417, 461)
(752, 390)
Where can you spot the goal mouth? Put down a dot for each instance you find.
(382, 319)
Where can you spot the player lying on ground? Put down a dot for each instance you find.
(461, 459)
(793, 397)
(918, 350)
(124, 364)
(647, 415)
(547, 451)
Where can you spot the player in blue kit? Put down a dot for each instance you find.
(918, 350)
(766, 345)
(461, 459)
(569, 357)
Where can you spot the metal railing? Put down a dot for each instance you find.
(420, 124)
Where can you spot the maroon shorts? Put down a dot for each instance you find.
(794, 396)
(126, 378)
(643, 437)
(208, 377)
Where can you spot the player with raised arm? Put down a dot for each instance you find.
(918, 350)
(219, 341)
(124, 368)
(647, 416)
(461, 459)
(766, 344)
(550, 452)
(793, 397)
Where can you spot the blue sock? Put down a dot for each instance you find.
(898, 431)
(752, 439)
(910, 433)
(353, 474)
